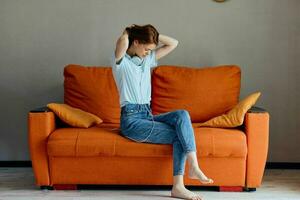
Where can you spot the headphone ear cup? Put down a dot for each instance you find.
(137, 60)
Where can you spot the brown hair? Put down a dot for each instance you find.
(144, 34)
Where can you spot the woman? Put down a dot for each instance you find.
(134, 56)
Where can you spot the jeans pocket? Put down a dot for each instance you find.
(130, 111)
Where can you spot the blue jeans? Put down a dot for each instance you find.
(138, 124)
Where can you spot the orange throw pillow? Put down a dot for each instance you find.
(74, 116)
(235, 116)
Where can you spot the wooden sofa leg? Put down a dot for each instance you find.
(230, 188)
(246, 189)
(46, 187)
(65, 187)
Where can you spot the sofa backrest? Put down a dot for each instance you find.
(92, 89)
(205, 92)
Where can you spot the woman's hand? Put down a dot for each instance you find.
(127, 29)
(125, 32)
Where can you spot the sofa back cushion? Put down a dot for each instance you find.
(205, 92)
(92, 89)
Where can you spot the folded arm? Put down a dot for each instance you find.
(121, 46)
(169, 45)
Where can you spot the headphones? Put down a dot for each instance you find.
(137, 60)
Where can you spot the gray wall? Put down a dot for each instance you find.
(39, 37)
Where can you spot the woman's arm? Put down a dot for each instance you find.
(169, 45)
(121, 46)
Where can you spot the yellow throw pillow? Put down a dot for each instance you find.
(234, 117)
(74, 116)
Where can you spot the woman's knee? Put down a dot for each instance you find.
(182, 113)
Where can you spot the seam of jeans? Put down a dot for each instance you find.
(153, 124)
(132, 138)
(184, 145)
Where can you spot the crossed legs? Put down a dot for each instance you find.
(176, 127)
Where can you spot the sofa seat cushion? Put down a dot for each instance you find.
(220, 142)
(93, 141)
(107, 141)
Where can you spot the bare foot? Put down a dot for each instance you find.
(196, 173)
(182, 192)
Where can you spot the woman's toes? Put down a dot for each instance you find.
(198, 174)
(207, 181)
(197, 198)
(185, 194)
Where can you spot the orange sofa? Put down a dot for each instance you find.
(64, 157)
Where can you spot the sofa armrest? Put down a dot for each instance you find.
(256, 127)
(41, 123)
(40, 109)
(255, 109)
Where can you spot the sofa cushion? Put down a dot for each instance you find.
(106, 141)
(235, 116)
(94, 141)
(220, 142)
(92, 89)
(74, 116)
(204, 92)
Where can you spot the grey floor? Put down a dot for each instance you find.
(18, 183)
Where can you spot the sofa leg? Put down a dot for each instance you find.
(230, 188)
(246, 189)
(46, 187)
(65, 187)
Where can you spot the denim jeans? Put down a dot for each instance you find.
(139, 124)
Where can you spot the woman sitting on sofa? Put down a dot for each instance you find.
(133, 58)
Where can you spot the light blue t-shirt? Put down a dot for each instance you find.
(133, 78)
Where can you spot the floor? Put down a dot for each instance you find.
(18, 183)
